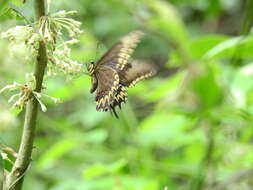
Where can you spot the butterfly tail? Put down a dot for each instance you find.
(113, 112)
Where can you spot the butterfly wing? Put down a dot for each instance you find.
(107, 85)
(135, 71)
(94, 83)
(119, 54)
(120, 96)
(114, 72)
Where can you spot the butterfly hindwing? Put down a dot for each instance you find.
(135, 71)
(117, 57)
(108, 83)
(120, 96)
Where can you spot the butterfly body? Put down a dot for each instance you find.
(114, 72)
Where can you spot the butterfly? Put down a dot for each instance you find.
(115, 71)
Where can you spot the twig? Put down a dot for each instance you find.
(245, 31)
(200, 180)
(14, 180)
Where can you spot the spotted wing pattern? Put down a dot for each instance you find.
(120, 97)
(117, 57)
(108, 84)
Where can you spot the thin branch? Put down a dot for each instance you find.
(200, 179)
(14, 180)
(245, 30)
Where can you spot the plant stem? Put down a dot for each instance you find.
(200, 179)
(245, 30)
(14, 179)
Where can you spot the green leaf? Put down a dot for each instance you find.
(96, 136)
(20, 13)
(238, 46)
(6, 14)
(15, 111)
(201, 45)
(17, 2)
(117, 166)
(12, 11)
(94, 171)
(161, 128)
(4, 4)
(207, 88)
(7, 165)
(194, 151)
(241, 88)
(99, 169)
(5, 162)
(164, 88)
(166, 20)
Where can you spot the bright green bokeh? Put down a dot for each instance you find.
(191, 123)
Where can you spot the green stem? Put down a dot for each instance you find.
(245, 30)
(200, 179)
(14, 179)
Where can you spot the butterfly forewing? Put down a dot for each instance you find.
(135, 71)
(119, 54)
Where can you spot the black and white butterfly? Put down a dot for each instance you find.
(115, 71)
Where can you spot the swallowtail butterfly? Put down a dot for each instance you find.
(115, 71)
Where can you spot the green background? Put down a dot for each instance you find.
(188, 128)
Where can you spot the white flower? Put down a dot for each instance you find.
(22, 38)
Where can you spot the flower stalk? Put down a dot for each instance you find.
(14, 179)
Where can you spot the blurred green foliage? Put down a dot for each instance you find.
(190, 127)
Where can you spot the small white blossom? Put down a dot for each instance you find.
(62, 61)
(63, 13)
(4, 156)
(21, 97)
(22, 38)
(72, 41)
(59, 55)
(26, 93)
(50, 31)
(38, 96)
